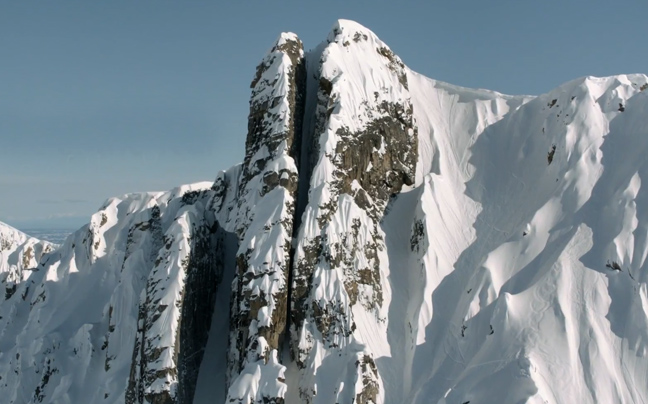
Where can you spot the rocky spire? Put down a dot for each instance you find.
(364, 151)
(266, 211)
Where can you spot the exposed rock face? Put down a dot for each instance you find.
(266, 211)
(364, 153)
(178, 297)
(206, 267)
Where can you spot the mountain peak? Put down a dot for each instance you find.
(348, 32)
(387, 239)
(350, 27)
(287, 41)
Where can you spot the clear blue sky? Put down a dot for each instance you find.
(101, 98)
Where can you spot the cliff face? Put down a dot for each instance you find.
(388, 238)
(364, 150)
(266, 211)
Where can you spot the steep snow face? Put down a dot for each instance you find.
(19, 254)
(364, 150)
(121, 311)
(525, 275)
(266, 209)
(450, 119)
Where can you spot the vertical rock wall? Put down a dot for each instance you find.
(364, 151)
(266, 210)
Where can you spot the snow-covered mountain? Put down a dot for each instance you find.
(19, 256)
(388, 238)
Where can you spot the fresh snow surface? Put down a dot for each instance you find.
(501, 293)
(512, 270)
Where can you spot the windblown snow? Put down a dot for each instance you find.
(388, 239)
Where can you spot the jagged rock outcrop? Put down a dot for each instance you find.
(266, 211)
(387, 239)
(176, 304)
(365, 150)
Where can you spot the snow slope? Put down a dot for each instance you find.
(388, 238)
(520, 301)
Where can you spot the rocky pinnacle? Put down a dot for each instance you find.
(266, 210)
